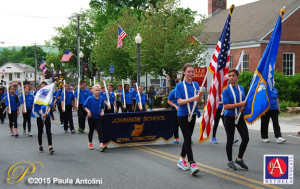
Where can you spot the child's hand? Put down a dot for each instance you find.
(89, 114)
(102, 113)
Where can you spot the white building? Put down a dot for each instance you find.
(17, 72)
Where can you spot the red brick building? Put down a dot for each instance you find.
(251, 28)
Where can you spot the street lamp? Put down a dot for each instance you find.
(52, 69)
(81, 55)
(138, 40)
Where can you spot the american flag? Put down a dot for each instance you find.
(66, 56)
(43, 64)
(219, 67)
(121, 36)
(44, 70)
(69, 74)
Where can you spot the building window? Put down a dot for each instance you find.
(30, 74)
(219, 3)
(18, 75)
(10, 77)
(230, 62)
(245, 62)
(288, 63)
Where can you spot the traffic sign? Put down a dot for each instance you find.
(111, 69)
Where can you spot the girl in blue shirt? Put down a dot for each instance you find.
(143, 99)
(26, 114)
(68, 117)
(13, 116)
(128, 99)
(188, 94)
(172, 101)
(2, 104)
(272, 113)
(110, 108)
(234, 102)
(94, 106)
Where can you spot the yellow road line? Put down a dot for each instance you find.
(203, 170)
(216, 169)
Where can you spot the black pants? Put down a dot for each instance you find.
(230, 129)
(95, 123)
(40, 125)
(119, 105)
(273, 114)
(134, 105)
(13, 119)
(81, 116)
(51, 113)
(2, 115)
(61, 113)
(216, 121)
(111, 111)
(176, 125)
(68, 117)
(128, 108)
(187, 129)
(137, 109)
(27, 119)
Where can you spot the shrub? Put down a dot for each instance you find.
(165, 102)
(245, 79)
(283, 106)
(157, 101)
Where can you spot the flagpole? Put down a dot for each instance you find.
(139, 103)
(123, 94)
(107, 95)
(65, 95)
(25, 110)
(8, 98)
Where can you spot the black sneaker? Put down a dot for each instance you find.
(51, 151)
(73, 131)
(16, 135)
(231, 166)
(41, 149)
(241, 164)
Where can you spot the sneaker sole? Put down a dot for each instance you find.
(232, 168)
(242, 167)
(195, 172)
(103, 149)
(51, 152)
(235, 141)
(182, 168)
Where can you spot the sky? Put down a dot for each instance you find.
(25, 22)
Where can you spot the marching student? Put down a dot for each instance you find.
(68, 108)
(27, 114)
(112, 100)
(172, 101)
(234, 102)
(102, 91)
(84, 93)
(59, 107)
(128, 99)
(2, 104)
(151, 95)
(44, 119)
(188, 94)
(133, 94)
(272, 113)
(13, 116)
(94, 106)
(216, 123)
(53, 108)
(118, 93)
(143, 100)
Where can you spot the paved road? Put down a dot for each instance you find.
(147, 166)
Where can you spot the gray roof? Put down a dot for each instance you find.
(24, 67)
(250, 22)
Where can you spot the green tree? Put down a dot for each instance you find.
(245, 79)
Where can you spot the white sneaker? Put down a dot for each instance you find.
(265, 140)
(280, 140)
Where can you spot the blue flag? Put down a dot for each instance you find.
(258, 102)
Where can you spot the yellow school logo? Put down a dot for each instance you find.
(138, 129)
(17, 172)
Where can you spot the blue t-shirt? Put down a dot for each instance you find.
(273, 99)
(94, 105)
(101, 94)
(143, 98)
(69, 97)
(34, 93)
(220, 105)
(133, 94)
(172, 97)
(112, 98)
(179, 93)
(29, 100)
(84, 94)
(128, 97)
(14, 102)
(228, 99)
(2, 96)
(44, 109)
(58, 94)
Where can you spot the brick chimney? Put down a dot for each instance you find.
(216, 5)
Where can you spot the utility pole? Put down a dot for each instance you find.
(35, 65)
(78, 46)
